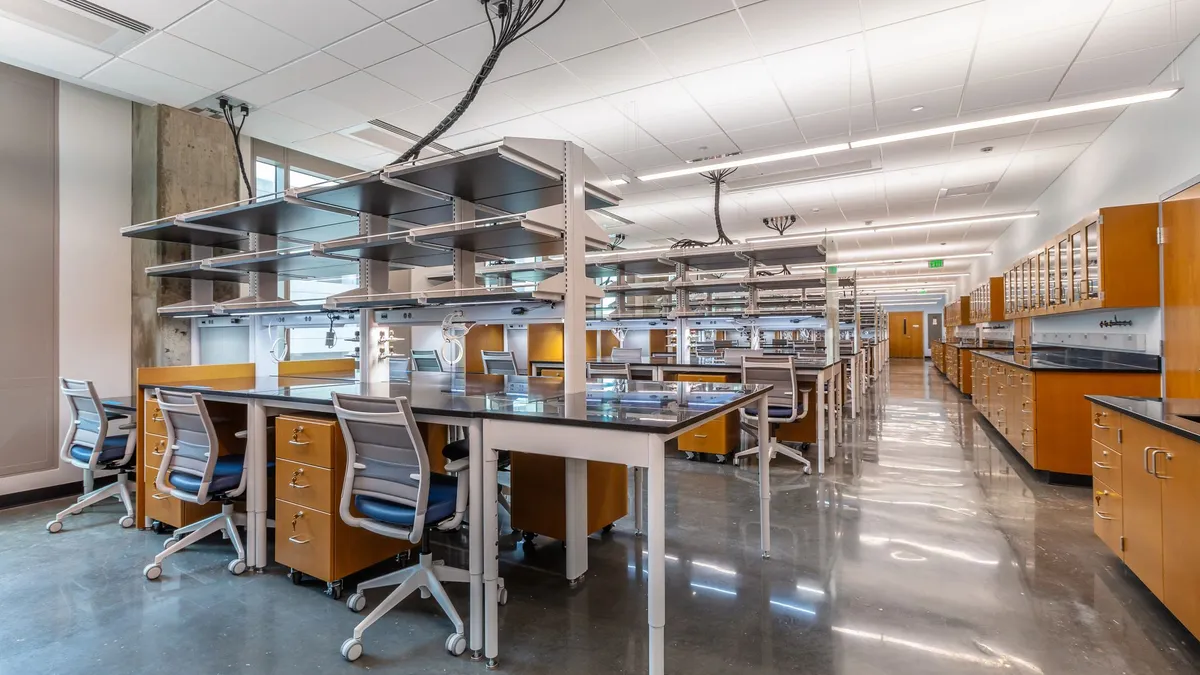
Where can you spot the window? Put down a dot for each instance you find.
(302, 179)
(268, 179)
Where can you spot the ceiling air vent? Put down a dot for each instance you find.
(105, 13)
(390, 137)
(787, 178)
(968, 190)
(79, 21)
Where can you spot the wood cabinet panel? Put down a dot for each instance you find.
(307, 440)
(1106, 425)
(310, 486)
(1179, 468)
(1181, 297)
(1106, 465)
(1107, 512)
(1143, 514)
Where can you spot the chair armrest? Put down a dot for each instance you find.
(244, 433)
(127, 427)
(457, 465)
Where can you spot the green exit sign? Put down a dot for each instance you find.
(922, 290)
(831, 270)
(933, 264)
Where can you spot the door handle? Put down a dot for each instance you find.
(1146, 455)
(1154, 462)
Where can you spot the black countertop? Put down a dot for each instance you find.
(1065, 361)
(1170, 415)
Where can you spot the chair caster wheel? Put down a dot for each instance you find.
(170, 540)
(528, 537)
(126, 522)
(502, 597)
(158, 527)
(356, 603)
(722, 459)
(456, 644)
(607, 528)
(690, 455)
(152, 571)
(808, 470)
(352, 649)
(334, 589)
(236, 567)
(54, 526)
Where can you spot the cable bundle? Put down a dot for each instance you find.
(235, 128)
(717, 178)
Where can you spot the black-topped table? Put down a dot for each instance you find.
(619, 421)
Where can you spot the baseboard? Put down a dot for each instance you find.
(51, 492)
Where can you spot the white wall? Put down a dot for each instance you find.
(1150, 149)
(94, 186)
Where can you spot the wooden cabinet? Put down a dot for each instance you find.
(958, 313)
(1108, 260)
(718, 437)
(1178, 468)
(987, 301)
(937, 351)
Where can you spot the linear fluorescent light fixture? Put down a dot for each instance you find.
(700, 167)
(900, 227)
(1128, 97)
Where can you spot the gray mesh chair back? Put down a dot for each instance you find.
(780, 373)
(616, 370)
(89, 423)
(385, 460)
(192, 446)
(499, 363)
(426, 361)
(627, 355)
(734, 357)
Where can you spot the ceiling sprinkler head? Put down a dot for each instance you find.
(986, 149)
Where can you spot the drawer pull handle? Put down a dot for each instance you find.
(160, 496)
(1103, 516)
(700, 435)
(156, 417)
(1026, 445)
(298, 540)
(292, 483)
(1102, 465)
(295, 440)
(159, 448)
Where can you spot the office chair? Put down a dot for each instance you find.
(427, 361)
(499, 363)
(89, 446)
(614, 370)
(388, 481)
(193, 471)
(627, 355)
(784, 403)
(734, 357)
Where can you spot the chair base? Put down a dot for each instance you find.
(119, 489)
(226, 522)
(776, 448)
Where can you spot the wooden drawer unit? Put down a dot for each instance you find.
(1106, 425)
(307, 440)
(718, 437)
(154, 423)
(310, 486)
(1107, 521)
(153, 451)
(304, 539)
(1106, 465)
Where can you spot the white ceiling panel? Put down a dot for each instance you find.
(373, 45)
(703, 146)
(309, 72)
(545, 88)
(317, 22)
(929, 74)
(651, 17)
(993, 133)
(1029, 52)
(919, 184)
(1151, 27)
(598, 123)
(386, 9)
(468, 139)
(146, 84)
(337, 146)
(647, 158)
(470, 48)
(318, 111)
(271, 126)
(916, 153)
(239, 36)
(156, 13)
(665, 111)
(531, 126)
(366, 94)
(942, 33)
(438, 18)
(581, 27)
(738, 96)
(717, 41)
(822, 77)
(1115, 72)
(1069, 136)
(1080, 119)
(423, 73)
(179, 58)
(907, 110)
(1012, 18)
(490, 107)
(620, 68)
(1000, 147)
(785, 132)
(836, 124)
(876, 13)
(1032, 87)
(24, 44)
(910, 209)
(780, 25)
(418, 119)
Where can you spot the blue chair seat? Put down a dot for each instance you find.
(227, 475)
(112, 450)
(443, 494)
(772, 411)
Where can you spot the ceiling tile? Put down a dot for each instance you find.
(366, 94)
(878, 13)
(779, 25)
(738, 96)
(423, 73)
(317, 22)
(710, 43)
(531, 126)
(1012, 18)
(1068, 136)
(598, 123)
(665, 111)
(336, 147)
(468, 139)
(317, 111)
(935, 105)
(928, 74)
(818, 78)
(386, 9)
(651, 17)
(438, 18)
(26, 44)
(156, 13)
(620, 68)
(942, 33)
(1033, 51)
(490, 107)
(271, 126)
(311, 71)
(178, 58)
(608, 165)
(419, 119)
(1131, 69)
(146, 84)
(1150, 27)
(919, 152)
(994, 133)
(545, 88)
(581, 27)
(1079, 119)
(704, 146)
(650, 157)
(836, 123)
(470, 48)
(373, 45)
(1034, 87)
(223, 29)
(785, 132)
(974, 150)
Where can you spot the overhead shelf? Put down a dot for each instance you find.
(279, 217)
(371, 194)
(195, 269)
(393, 247)
(296, 261)
(174, 232)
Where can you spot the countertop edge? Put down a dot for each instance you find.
(1074, 369)
(1165, 425)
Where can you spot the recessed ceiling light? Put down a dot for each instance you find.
(747, 161)
(917, 108)
(816, 209)
(898, 227)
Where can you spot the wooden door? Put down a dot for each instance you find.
(906, 333)
(1179, 471)
(1143, 504)
(1181, 297)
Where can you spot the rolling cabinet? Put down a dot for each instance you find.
(718, 437)
(160, 506)
(310, 536)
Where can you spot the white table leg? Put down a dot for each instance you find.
(656, 546)
(577, 534)
(819, 401)
(490, 524)
(256, 498)
(639, 501)
(764, 477)
(475, 534)
(831, 418)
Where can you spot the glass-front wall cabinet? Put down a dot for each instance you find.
(1092, 234)
(1077, 278)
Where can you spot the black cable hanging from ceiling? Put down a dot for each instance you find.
(617, 240)
(779, 224)
(717, 178)
(510, 23)
(235, 128)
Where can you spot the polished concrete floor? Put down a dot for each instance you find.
(927, 548)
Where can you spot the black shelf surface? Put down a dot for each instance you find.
(371, 195)
(279, 217)
(193, 270)
(170, 231)
(503, 239)
(291, 264)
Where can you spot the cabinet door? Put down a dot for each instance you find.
(1078, 276)
(1092, 242)
(1052, 277)
(1064, 269)
(1041, 281)
(1179, 470)
(1143, 514)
